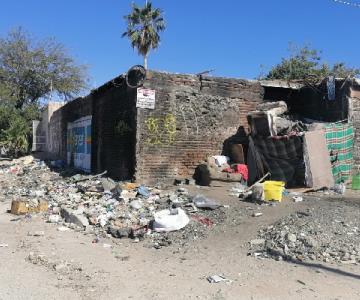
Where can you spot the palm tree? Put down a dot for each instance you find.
(143, 27)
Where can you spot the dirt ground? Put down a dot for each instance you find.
(32, 267)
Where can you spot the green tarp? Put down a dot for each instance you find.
(340, 142)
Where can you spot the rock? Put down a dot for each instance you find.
(311, 242)
(118, 232)
(59, 267)
(93, 220)
(71, 217)
(291, 237)
(54, 219)
(63, 228)
(136, 204)
(257, 242)
(27, 160)
(257, 214)
(36, 233)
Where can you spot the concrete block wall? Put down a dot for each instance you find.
(114, 130)
(70, 112)
(192, 118)
(354, 102)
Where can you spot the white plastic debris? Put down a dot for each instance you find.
(170, 220)
(204, 202)
(103, 219)
(298, 199)
(218, 278)
(340, 188)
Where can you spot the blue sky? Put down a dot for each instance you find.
(234, 37)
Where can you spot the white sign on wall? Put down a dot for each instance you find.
(145, 98)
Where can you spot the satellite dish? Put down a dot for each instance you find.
(136, 76)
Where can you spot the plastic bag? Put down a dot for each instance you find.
(202, 202)
(170, 220)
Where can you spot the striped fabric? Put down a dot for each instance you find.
(340, 142)
(283, 157)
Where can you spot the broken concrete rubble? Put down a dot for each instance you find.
(329, 234)
(102, 206)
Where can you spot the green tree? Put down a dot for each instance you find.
(15, 138)
(144, 25)
(32, 70)
(306, 64)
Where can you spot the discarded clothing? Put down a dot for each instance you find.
(221, 160)
(144, 191)
(239, 169)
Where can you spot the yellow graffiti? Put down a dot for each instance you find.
(170, 127)
(161, 130)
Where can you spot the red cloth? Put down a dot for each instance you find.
(243, 170)
(228, 170)
(239, 169)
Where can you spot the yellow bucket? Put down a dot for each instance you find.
(273, 190)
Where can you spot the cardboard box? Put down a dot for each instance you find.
(21, 207)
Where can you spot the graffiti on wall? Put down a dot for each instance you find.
(161, 130)
(123, 125)
(122, 128)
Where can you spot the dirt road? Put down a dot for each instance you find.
(67, 265)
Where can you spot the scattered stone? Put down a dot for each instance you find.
(322, 234)
(257, 242)
(54, 219)
(63, 228)
(36, 233)
(291, 237)
(71, 217)
(136, 204)
(101, 205)
(298, 199)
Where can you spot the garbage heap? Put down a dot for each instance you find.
(103, 207)
(282, 146)
(328, 233)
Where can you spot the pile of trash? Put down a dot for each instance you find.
(328, 233)
(101, 206)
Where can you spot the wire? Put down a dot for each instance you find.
(348, 3)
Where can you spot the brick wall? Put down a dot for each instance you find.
(192, 118)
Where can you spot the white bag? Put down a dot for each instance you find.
(170, 220)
